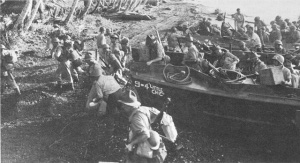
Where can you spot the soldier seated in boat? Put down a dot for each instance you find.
(243, 47)
(224, 59)
(255, 42)
(278, 48)
(255, 63)
(193, 58)
(156, 51)
(172, 40)
(294, 72)
(293, 36)
(278, 61)
(275, 34)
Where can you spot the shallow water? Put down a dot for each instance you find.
(266, 9)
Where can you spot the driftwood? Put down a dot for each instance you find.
(135, 16)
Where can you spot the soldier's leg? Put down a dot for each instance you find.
(12, 82)
(58, 74)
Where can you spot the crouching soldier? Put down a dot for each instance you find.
(104, 88)
(145, 145)
(225, 59)
(8, 58)
(156, 51)
(64, 66)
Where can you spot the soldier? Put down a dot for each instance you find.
(126, 48)
(225, 59)
(111, 60)
(140, 119)
(173, 41)
(64, 66)
(156, 50)
(114, 44)
(101, 40)
(57, 33)
(278, 48)
(7, 64)
(278, 61)
(256, 64)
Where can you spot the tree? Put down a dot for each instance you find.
(87, 5)
(26, 10)
(68, 18)
(33, 13)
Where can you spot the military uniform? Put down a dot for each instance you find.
(8, 58)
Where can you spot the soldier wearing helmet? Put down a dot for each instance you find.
(63, 56)
(104, 88)
(293, 36)
(255, 42)
(8, 58)
(275, 34)
(114, 42)
(126, 48)
(278, 61)
(57, 33)
(278, 47)
(110, 59)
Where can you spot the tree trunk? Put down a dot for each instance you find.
(24, 13)
(68, 18)
(87, 5)
(33, 13)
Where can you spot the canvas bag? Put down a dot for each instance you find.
(168, 127)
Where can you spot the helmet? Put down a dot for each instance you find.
(105, 46)
(173, 29)
(96, 70)
(278, 17)
(115, 36)
(279, 58)
(278, 42)
(56, 39)
(125, 40)
(101, 29)
(2, 47)
(257, 18)
(154, 140)
(292, 27)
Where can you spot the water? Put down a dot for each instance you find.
(267, 10)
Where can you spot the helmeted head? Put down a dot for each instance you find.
(173, 29)
(238, 10)
(102, 29)
(114, 37)
(257, 18)
(275, 26)
(106, 47)
(278, 60)
(124, 41)
(277, 18)
(292, 28)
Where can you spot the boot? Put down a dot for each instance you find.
(59, 85)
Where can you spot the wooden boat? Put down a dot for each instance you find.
(207, 96)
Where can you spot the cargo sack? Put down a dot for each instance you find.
(168, 127)
(144, 150)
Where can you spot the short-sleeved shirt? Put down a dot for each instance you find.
(104, 86)
(255, 40)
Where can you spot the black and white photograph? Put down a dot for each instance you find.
(150, 81)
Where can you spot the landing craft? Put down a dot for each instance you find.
(198, 97)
